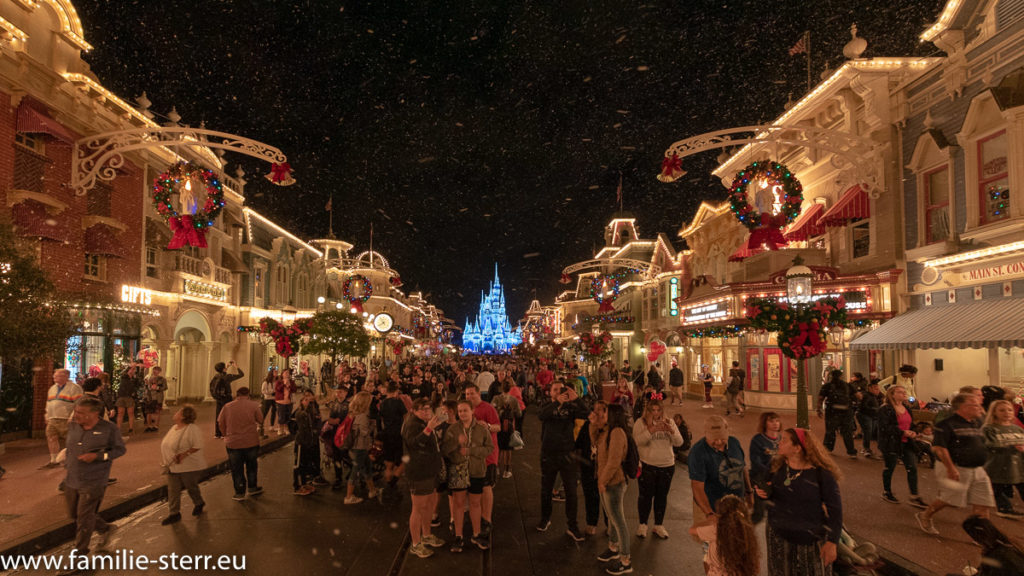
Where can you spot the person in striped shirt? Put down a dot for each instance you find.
(60, 403)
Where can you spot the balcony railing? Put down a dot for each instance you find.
(196, 267)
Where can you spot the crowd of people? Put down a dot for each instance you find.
(447, 431)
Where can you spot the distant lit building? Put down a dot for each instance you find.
(491, 332)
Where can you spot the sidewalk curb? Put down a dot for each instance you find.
(41, 540)
(898, 560)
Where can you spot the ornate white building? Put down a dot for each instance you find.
(491, 332)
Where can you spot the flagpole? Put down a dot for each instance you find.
(807, 39)
(330, 224)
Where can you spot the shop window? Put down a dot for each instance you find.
(860, 231)
(95, 267)
(152, 270)
(936, 205)
(281, 284)
(257, 277)
(33, 142)
(993, 183)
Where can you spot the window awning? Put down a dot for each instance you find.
(102, 239)
(33, 121)
(980, 324)
(852, 205)
(31, 220)
(743, 252)
(806, 225)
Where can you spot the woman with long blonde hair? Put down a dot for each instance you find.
(1005, 464)
(805, 519)
(359, 440)
(896, 442)
(655, 436)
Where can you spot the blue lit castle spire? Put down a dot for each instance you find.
(490, 332)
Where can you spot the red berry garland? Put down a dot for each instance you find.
(189, 228)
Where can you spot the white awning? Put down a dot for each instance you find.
(980, 324)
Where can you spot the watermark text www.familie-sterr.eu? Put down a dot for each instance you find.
(124, 560)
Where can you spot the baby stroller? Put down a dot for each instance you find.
(1000, 556)
(862, 559)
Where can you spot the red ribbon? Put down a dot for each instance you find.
(769, 233)
(185, 233)
(356, 305)
(672, 167)
(606, 306)
(280, 172)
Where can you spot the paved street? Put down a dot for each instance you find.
(281, 532)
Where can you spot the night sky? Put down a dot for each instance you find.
(470, 132)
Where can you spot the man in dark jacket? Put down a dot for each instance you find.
(220, 390)
(837, 396)
(675, 383)
(654, 379)
(558, 420)
(868, 401)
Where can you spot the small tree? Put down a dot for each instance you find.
(337, 333)
(33, 319)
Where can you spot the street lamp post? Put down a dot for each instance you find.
(799, 281)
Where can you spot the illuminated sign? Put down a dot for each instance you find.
(203, 290)
(135, 295)
(673, 293)
(856, 300)
(706, 313)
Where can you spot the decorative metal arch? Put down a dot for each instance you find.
(100, 155)
(646, 268)
(850, 153)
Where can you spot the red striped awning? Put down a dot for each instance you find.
(33, 121)
(30, 219)
(102, 239)
(852, 205)
(743, 252)
(806, 225)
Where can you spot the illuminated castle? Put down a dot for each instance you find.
(491, 332)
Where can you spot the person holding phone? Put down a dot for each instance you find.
(655, 435)
(422, 470)
(558, 421)
(220, 390)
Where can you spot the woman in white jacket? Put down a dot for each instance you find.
(182, 456)
(655, 435)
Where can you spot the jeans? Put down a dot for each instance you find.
(284, 414)
(868, 428)
(1004, 495)
(565, 466)
(841, 420)
(906, 453)
(591, 497)
(216, 418)
(360, 467)
(269, 407)
(654, 484)
(707, 393)
(618, 532)
(244, 465)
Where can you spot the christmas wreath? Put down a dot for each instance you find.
(801, 329)
(785, 189)
(197, 214)
(597, 291)
(357, 301)
(286, 338)
(596, 347)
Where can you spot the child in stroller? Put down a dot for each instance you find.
(923, 443)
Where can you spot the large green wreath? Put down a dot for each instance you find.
(776, 174)
(801, 329)
(164, 187)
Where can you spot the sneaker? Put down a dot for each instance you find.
(256, 491)
(105, 537)
(173, 518)
(888, 497)
(435, 522)
(619, 568)
(304, 491)
(507, 474)
(485, 529)
(641, 531)
(558, 496)
(543, 525)
(457, 545)
(926, 524)
(660, 531)
(918, 502)
(432, 541)
(111, 481)
(1010, 514)
(421, 550)
(708, 406)
(575, 534)
(238, 497)
(353, 500)
(852, 456)
(480, 542)
(608, 555)
(198, 509)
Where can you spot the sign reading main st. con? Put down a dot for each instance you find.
(136, 295)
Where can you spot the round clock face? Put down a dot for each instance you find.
(383, 322)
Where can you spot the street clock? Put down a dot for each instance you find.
(383, 322)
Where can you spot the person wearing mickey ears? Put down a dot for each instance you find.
(93, 444)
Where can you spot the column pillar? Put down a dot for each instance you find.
(993, 366)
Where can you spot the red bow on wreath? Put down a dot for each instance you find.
(768, 234)
(185, 233)
(281, 174)
(808, 342)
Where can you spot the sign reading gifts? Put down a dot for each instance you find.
(136, 295)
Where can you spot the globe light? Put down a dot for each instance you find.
(799, 281)
(321, 299)
(338, 305)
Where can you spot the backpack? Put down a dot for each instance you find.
(343, 436)
(631, 461)
(735, 382)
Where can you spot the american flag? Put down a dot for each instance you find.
(618, 192)
(800, 47)
(329, 204)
